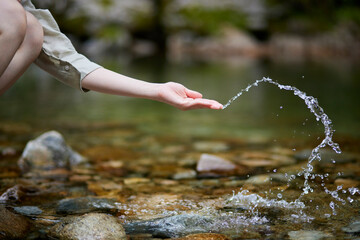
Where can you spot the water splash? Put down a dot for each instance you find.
(313, 105)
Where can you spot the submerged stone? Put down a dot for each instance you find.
(28, 210)
(171, 227)
(48, 151)
(308, 235)
(208, 163)
(184, 174)
(13, 226)
(94, 226)
(85, 205)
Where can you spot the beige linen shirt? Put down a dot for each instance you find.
(58, 56)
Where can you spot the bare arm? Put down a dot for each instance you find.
(175, 94)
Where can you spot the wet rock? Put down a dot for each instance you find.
(89, 226)
(28, 210)
(170, 227)
(353, 227)
(205, 236)
(48, 151)
(184, 174)
(308, 235)
(15, 193)
(210, 146)
(85, 205)
(327, 156)
(13, 226)
(208, 163)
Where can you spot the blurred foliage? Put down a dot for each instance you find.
(210, 21)
(307, 16)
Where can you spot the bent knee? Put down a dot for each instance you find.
(12, 21)
(34, 33)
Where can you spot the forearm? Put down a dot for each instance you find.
(106, 81)
(175, 94)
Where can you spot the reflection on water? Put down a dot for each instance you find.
(142, 155)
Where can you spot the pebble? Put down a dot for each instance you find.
(184, 174)
(28, 210)
(259, 179)
(85, 205)
(91, 226)
(48, 151)
(132, 181)
(13, 226)
(208, 163)
(346, 183)
(308, 235)
(171, 227)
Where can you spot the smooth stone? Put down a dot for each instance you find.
(353, 227)
(13, 226)
(28, 210)
(211, 146)
(91, 226)
(172, 227)
(85, 205)
(327, 156)
(308, 235)
(184, 174)
(208, 163)
(205, 236)
(48, 151)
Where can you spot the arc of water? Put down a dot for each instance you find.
(313, 105)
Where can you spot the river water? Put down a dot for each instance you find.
(143, 154)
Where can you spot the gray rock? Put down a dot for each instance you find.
(208, 163)
(13, 226)
(48, 151)
(308, 235)
(28, 210)
(85, 205)
(92, 226)
(172, 227)
(327, 156)
(353, 227)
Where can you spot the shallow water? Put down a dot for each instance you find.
(143, 154)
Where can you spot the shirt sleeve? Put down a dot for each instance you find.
(58, 56)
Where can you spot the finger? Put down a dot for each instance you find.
(202, 103)
(193, 94)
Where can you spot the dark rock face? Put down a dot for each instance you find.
(85, 205)
(13, 226)
(92, 226)
(46, 152)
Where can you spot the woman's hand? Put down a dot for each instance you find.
(180, 97)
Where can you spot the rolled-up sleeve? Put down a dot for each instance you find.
(58, 56)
